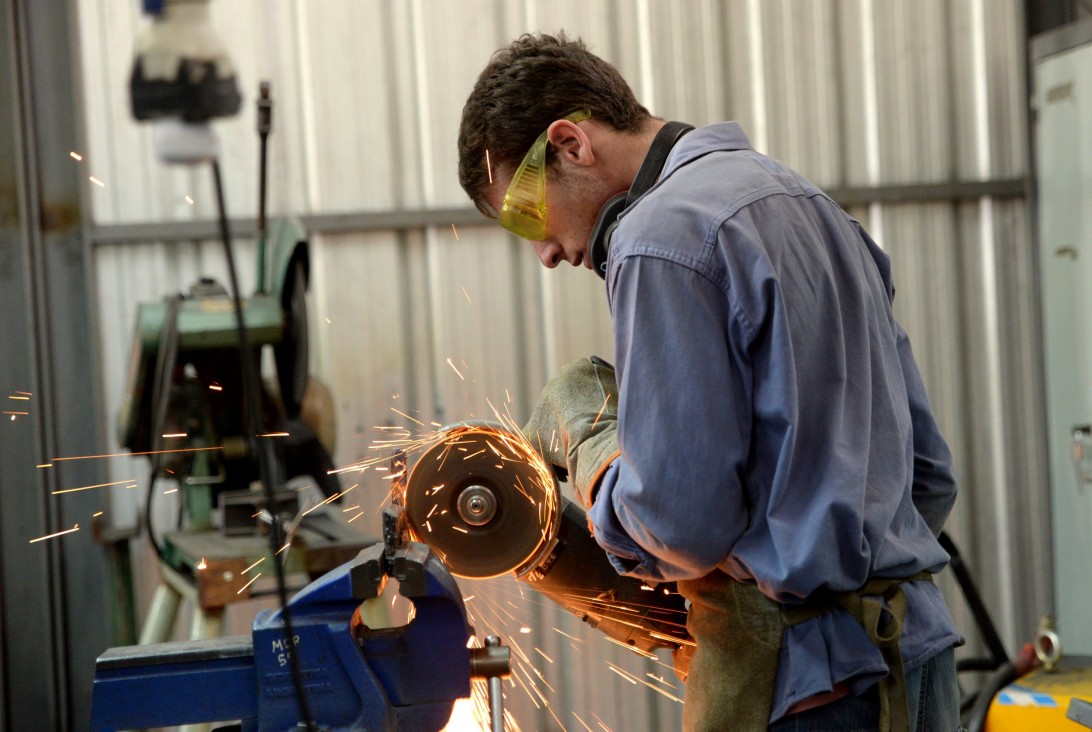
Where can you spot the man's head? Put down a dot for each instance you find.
(527, 91)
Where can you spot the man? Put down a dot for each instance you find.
(771, 447)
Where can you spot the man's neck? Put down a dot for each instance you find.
(633, 149)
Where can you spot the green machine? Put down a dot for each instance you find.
(184, 404)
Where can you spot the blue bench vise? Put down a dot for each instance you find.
(355, 677)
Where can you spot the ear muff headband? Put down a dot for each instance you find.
(647, 175)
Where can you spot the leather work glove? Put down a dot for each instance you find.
(575, 423)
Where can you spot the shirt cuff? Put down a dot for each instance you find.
(624, 554)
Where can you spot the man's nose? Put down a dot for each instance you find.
(548, 253)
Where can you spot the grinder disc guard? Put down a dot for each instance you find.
(483, 500)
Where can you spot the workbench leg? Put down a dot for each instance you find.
(207, 623)
(160, 621)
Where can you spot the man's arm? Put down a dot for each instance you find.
(934, 487)
(672, 506)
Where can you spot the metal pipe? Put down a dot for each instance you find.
(364, 221)
(496, 700)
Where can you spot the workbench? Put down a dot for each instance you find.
(213, 571)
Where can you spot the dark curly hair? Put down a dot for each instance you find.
(527, 85)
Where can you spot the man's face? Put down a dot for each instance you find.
(573, 199)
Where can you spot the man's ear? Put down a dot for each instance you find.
(571, 142)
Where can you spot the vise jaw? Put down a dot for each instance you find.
(355, 677)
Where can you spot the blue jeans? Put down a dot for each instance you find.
(931, 691)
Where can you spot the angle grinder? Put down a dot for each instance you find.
(489, 505)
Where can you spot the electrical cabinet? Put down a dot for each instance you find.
(1062, 104)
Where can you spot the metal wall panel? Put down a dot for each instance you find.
(368, 95)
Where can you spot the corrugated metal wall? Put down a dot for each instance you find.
(368, 93)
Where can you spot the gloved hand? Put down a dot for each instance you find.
(575, 423)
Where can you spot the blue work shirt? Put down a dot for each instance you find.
(772, 421)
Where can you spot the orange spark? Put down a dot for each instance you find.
(89, 487)
(130, 454)
(96, 181)
(488, 166)
(44, 465)
(467, 294)
(578, 719)
(409, 417)
(573, 637)
(253, 565)
(601, 723)
(456, 232)
(661, 679)
(273, 434)
(449, 363)
(59, 533)
(248, 584)
(635, 680)
(601, 410)
(329, 500)
(75, 155)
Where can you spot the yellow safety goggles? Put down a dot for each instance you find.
(524, 209)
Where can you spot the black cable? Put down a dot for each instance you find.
(975, 718)
(265, 124)
(974, 601)
(262, 449)
(166, 354)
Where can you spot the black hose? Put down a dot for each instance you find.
(166, 354)
(974, 601)
(262, 449)
(1004, 675)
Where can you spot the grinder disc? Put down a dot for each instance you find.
(483, 500)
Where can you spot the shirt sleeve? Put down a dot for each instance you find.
(934, 486)
(672, 505)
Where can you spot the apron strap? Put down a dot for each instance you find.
(883, 623)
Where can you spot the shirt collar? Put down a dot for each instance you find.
(722, 136)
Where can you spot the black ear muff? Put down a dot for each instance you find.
(605, 223)
(607, 220)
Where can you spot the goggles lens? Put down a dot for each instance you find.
(524, 209)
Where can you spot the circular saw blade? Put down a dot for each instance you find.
(483, 500)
